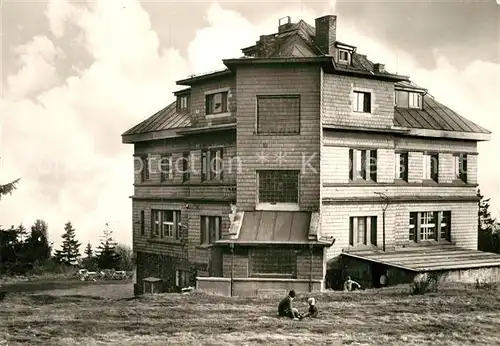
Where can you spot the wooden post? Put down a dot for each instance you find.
(310, 267)
(383, 230)
(232, 268)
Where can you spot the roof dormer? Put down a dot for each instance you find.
(183, 99)
(408, 95)
(344, 53)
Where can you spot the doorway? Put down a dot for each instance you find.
(379, 275)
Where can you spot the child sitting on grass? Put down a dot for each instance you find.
(313, 310)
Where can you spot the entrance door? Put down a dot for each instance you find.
(216, 262)
(379, 270)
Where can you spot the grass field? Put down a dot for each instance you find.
(101, 314)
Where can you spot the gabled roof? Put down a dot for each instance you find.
(434, 116)
(166, 119)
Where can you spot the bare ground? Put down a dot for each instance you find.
(102, 314)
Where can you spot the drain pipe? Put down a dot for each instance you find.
(232, 267)
(310, 267)
(384, 208)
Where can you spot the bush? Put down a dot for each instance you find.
(425, 283)
(486, 285)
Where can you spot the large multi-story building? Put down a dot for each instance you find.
(299, 164)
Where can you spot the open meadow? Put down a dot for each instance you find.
(106, 314)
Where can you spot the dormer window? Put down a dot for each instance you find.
(344, 56)
(406, 99)
(182, 102)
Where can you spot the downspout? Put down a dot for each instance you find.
(310, 267)
(232, 267)
(384, 208)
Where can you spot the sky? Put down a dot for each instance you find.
(75, 75)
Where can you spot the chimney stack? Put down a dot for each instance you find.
(284, 24)
(326, 34)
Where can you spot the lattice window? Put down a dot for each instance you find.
(430, 225)
(362, 230)
(212, 164)
(273, 261)
(165, 223)
(278, 186)
(210, 229)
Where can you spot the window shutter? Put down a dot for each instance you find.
(207, 104)
(373, 230)
(351, 231)
(351, 164)
(363, 163)
(367, 102)
(373, 165)
(202, 230)
(404, 164)
(463, 172)
(224, 102)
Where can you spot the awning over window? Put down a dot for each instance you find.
(277, 228)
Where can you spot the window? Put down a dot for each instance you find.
(363, 230)
(216, 103)
(166, 169)
(185, 167)
(460, 167)
(430, 225)
(182, 102)
(278, 186)
(414, 100)
(211, 164)
(405, 99)
(401, 171)
(430, 167)
(145, 168)
(210, 229)
(362, 102)
(344, 56)
(182, 278)
(165, 223)
(278, 114)
(363, 164)
(142, 222)
(272, 261)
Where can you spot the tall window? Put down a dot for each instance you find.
(401, 171)
(430, 225)
(182, 102)
(145, 168)
(363, 230)
(278, 186)
(430, 167)
(185, 167)
(362, 102)
(212, 164)
(182, 278)
(278, 114)
(210, 229)
(166, 169)
(165, 223)
(216, 103)
(273, 261)
(460, 167)
(142, 222)
(363, 164)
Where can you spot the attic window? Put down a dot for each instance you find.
(344, 56)
(182, 102)
(405, 99)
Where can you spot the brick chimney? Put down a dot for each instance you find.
(326, 34)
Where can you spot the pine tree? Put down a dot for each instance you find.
(89, 252)
(485, 221)
(107, 258)
(9, 187)
(37, 243)
(70, 248)
(488, 239)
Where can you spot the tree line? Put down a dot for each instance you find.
(23, 252)
(488, 234)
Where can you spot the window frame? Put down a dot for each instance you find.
(429, 162)
(281, 132)
(182, 276)
(158, 223)
(401, 159)
(142, 222)
(348, 55)
(209, 102)
(414, 100)
(145, 176)
(183, 102)
(166, 174)
(368, 170)
(367, 104)
(212, 164)
(280, 180)
(369, 234)
(186, 167)
(284, 260)
(441, 230)
(210, 229)
(460, 167)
